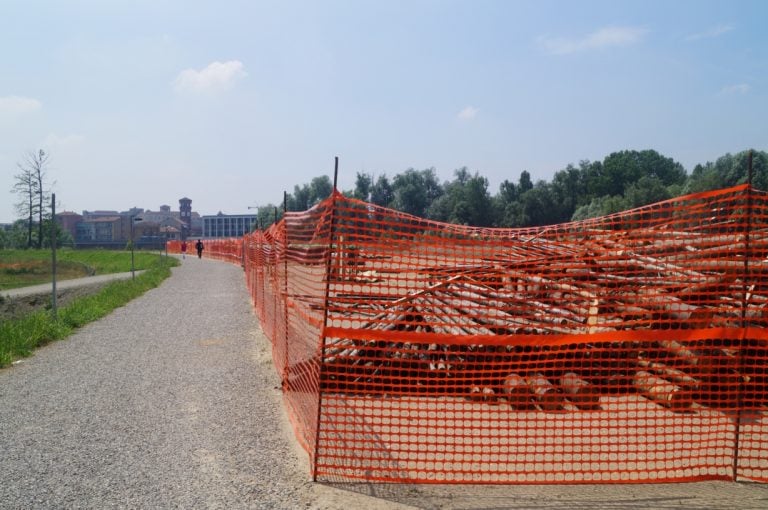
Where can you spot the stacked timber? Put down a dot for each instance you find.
(482, 329)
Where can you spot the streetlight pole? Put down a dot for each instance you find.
(133, 268)
(53, 255)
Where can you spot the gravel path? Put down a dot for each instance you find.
(45, 288)
(172, 402)
(169, 402)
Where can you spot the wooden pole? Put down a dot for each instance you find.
(662, 391)
(579, 391)
(517, 392)
(545, 393)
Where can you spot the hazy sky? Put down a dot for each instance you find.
(230, 103)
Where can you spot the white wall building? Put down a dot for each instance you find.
(228, 225)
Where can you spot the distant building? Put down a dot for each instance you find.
(170, 233)
(185, 210)
(179, 224)
(150, 228)
(228, 225)
(68, 221)
(102, 229)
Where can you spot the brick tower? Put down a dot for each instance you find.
(185, 210)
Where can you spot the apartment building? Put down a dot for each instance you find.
(228, 225)
(149, 228)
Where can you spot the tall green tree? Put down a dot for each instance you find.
(265, 215)
(621, 169)
(307, 195)
(568, 189)
(465, 201)
(299, 200)
(16, 237)
(381, 192)
(63, 237)
(538, 206)
(507, 210)
(525, 183)
(319, 189)
(414, 190)
(503, 203)
(363, 186)
(729, 170)
(600, 206)
(647, 190)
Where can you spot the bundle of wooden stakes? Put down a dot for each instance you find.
(479, 328)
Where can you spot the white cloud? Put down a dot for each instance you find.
(54, 141)
(215, 77)
(468, 113)
(713, 32)
(18, 104)
(604, 38)
(740, 88)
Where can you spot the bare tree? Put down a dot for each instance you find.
(25, 188)
(30, 186)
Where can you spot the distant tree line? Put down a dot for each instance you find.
(622, 180)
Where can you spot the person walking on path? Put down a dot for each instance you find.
(199, 247)
(183, 249)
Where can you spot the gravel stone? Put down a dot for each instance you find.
(172, 401)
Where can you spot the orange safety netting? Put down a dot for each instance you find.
(628, 348)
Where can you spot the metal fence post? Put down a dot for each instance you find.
(53, 255)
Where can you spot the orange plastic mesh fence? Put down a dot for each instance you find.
(628, 348)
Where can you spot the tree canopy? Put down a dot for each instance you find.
(622, 180)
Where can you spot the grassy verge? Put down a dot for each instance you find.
(19, 337)
(19, 268)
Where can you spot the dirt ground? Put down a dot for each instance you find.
(11, 308)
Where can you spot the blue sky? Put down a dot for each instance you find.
(230, 103)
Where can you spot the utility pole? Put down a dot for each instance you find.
(133, 269)
(53, 255)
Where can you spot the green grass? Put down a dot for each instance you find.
(20, 337)
(20, 268)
